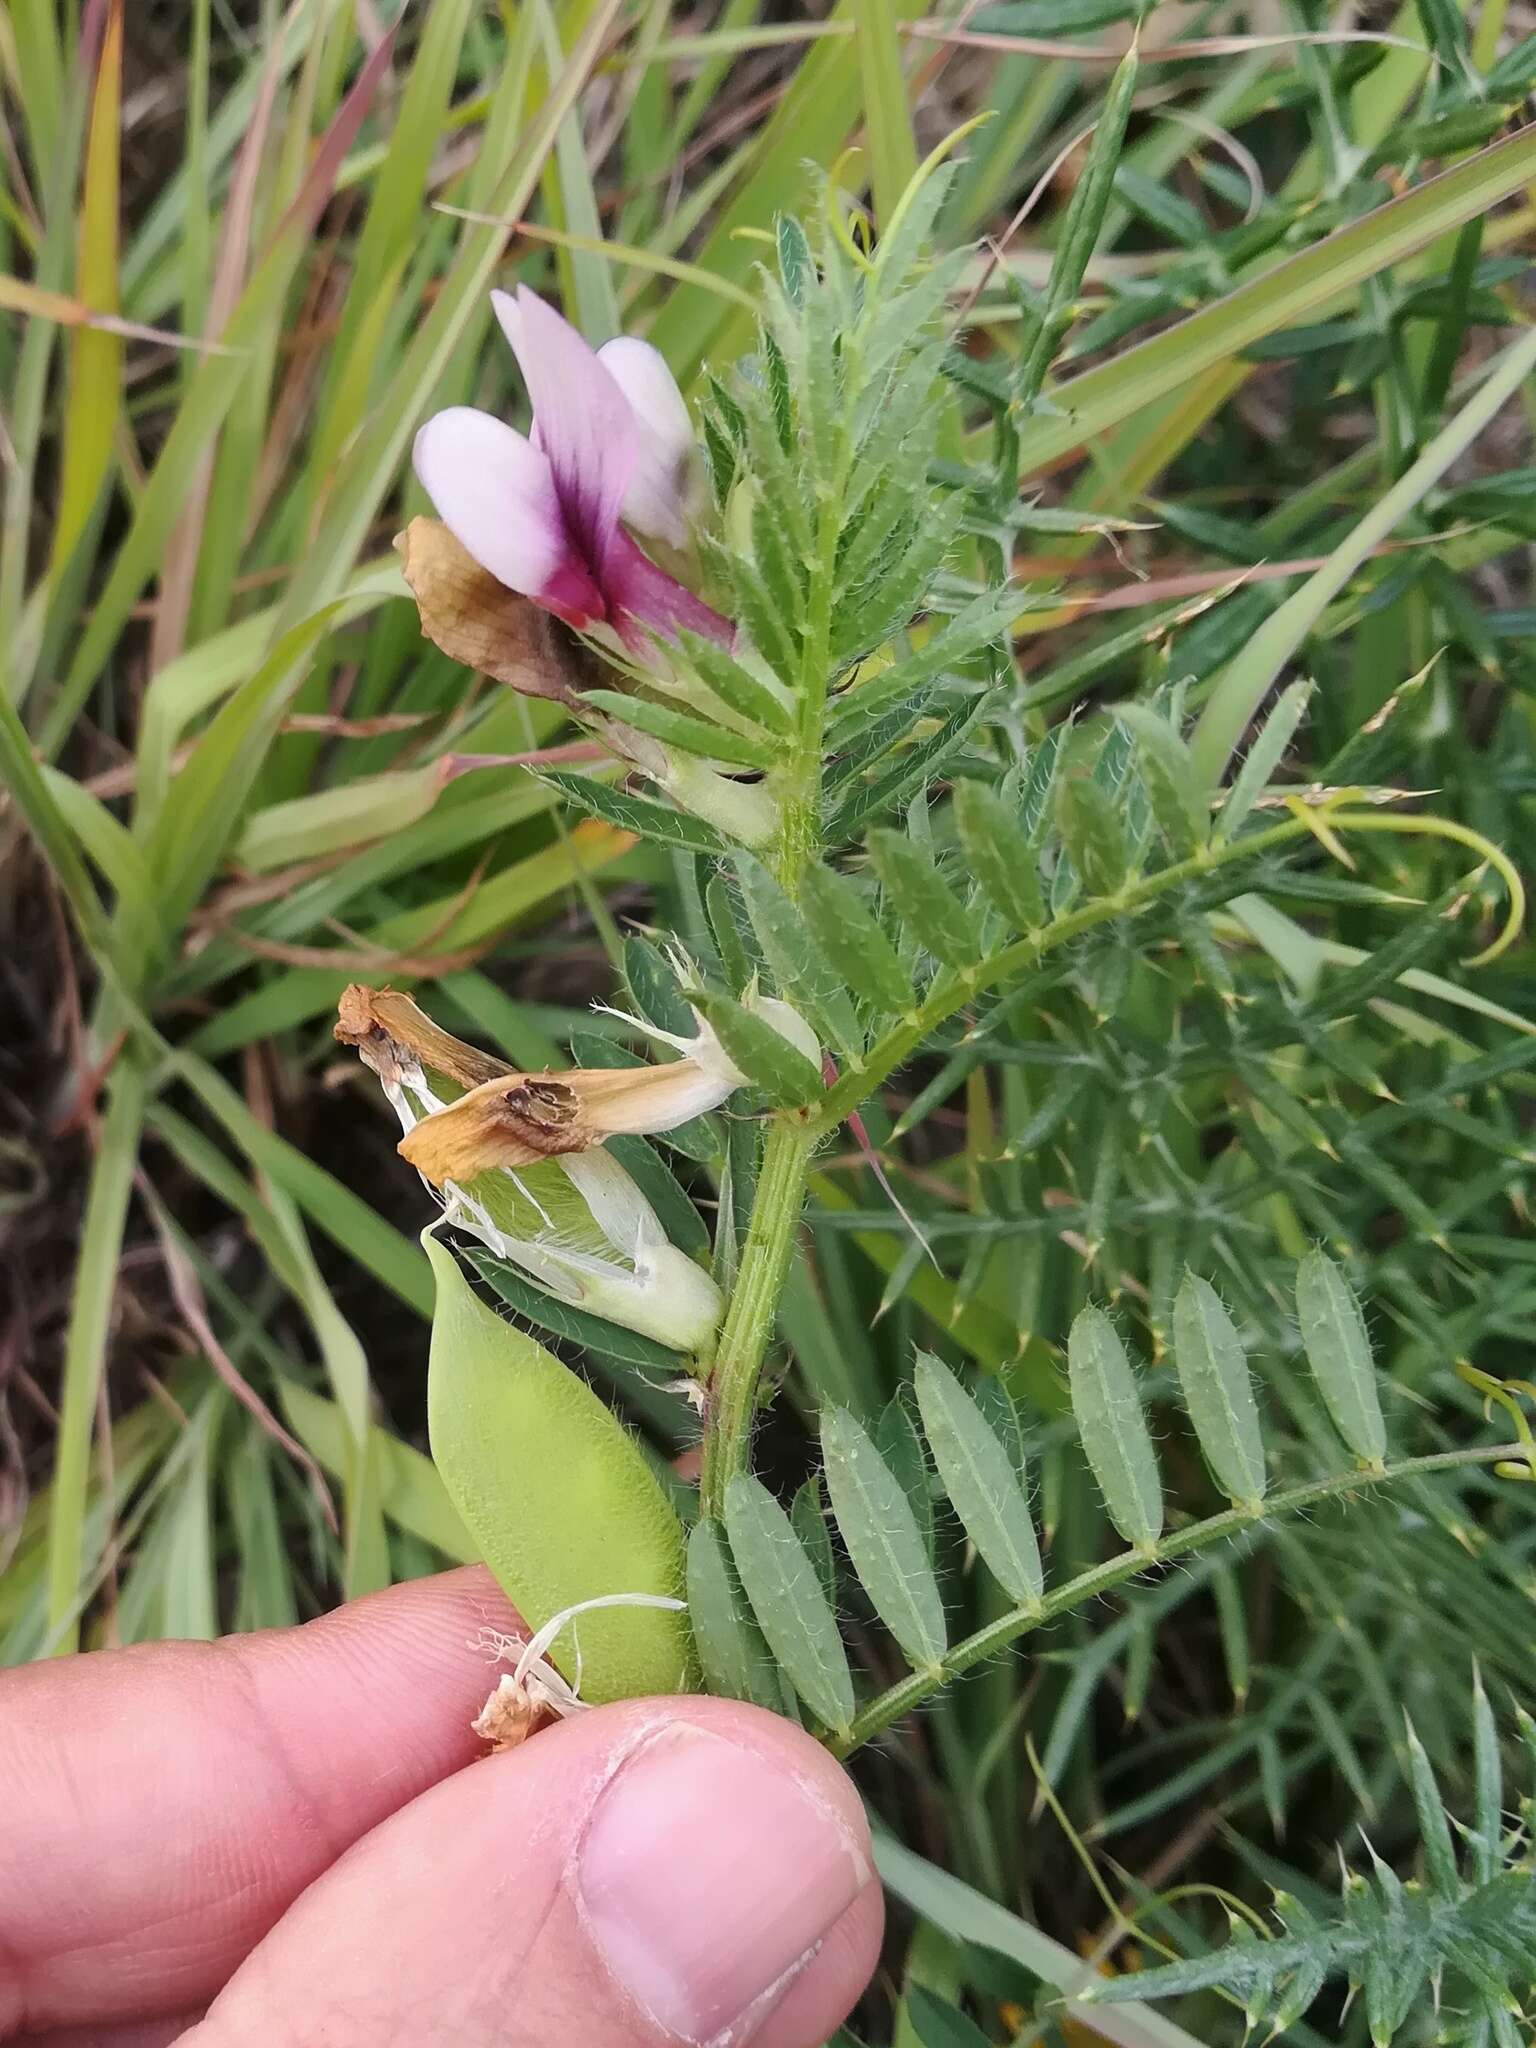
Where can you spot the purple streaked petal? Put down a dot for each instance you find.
(496, 496)
(587, 432)
(640, 592)
(657, 500)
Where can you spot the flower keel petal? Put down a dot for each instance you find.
(648, 596)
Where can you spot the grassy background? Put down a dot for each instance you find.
(244, 250)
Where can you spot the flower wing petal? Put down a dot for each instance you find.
(497, 497)
(661, 487)
(587, 431)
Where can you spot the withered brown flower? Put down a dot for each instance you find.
(578, 1223)
(510, 1119)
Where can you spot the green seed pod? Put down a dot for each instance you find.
(556, 1494)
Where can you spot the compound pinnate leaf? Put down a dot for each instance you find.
(1110, 1421)
(1213, 1373)
(984, 1487)
(1339, 1353)
(792, 1611)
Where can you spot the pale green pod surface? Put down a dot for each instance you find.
(556, 1494)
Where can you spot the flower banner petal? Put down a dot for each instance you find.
(587, 432)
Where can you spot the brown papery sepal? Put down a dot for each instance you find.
(481, 623)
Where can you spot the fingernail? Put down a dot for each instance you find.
(708, 1875)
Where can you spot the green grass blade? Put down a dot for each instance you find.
(1240, 688)
(94, 372)
(586, 280)
(887, 124)
(208, 397)
(808, 126)
(85, 1344)
(1098, 399)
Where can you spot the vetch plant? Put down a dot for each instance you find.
(1013, 702)
(913, 869)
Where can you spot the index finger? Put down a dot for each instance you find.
(165, 1804)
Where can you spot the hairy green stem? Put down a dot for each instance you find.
(787, 1151)
(754, 1306)
(918, 1686)
(796, 842)
(953, 991)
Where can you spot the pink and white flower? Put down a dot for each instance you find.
(549, 515)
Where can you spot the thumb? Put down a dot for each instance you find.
(642, 1876)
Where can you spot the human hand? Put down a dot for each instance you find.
(275, 1840)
